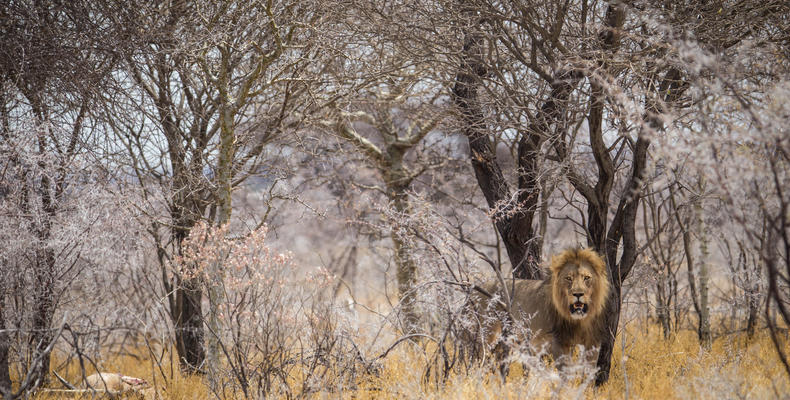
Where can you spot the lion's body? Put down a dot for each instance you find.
(558, 313)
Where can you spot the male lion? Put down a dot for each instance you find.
(556, 314)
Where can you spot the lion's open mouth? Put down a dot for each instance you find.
(578, 309)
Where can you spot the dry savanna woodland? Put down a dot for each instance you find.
(402, 199)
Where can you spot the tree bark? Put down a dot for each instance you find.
(187, 315)
(623, 228)
(407, 268)
(189, 326)
(5, 344)
(704, 314)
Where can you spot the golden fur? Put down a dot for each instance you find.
(558, 313)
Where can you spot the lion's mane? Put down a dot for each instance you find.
(542, 306)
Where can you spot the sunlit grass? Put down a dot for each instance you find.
(645, 366)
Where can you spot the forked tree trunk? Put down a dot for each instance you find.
(623, 227)
(389, 159)
(512, 215)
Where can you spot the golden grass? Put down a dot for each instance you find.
(645, 366)
(649, 367)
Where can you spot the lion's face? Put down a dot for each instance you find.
(576, 285)
(579, 287)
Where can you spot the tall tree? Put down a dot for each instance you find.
(204, 92)
(551, 131)
(50, 65)
(398, 133)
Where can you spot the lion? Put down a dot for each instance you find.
(558, 313)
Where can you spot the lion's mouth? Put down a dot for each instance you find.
(578, 309)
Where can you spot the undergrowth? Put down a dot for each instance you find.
(645, 366)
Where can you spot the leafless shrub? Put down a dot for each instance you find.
(275, 326)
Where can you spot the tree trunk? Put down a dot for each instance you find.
(515, 232)
(704, 311)
(397, 183)
(187, 314)
(44, 307)
(189, 326)
(698, 285)
(44, 275)
(662, 311)
(5, 344)
(624, 222)
(623, 228)
(407, 279)
(224, 199)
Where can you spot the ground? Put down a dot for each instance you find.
(645, 366)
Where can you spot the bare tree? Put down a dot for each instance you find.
(49, 68)
(739, 164)
(399, 135)
(662, 236)
(746, 270)
(698, 282)
(204, 92)
(600, 112)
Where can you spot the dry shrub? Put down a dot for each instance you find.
(277, 331)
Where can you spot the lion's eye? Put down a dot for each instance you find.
(587, 279)
(568, 279)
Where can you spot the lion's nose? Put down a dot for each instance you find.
(578, 295)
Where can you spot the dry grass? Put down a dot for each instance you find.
(645, 366)
(652, 368)
(648, 367)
